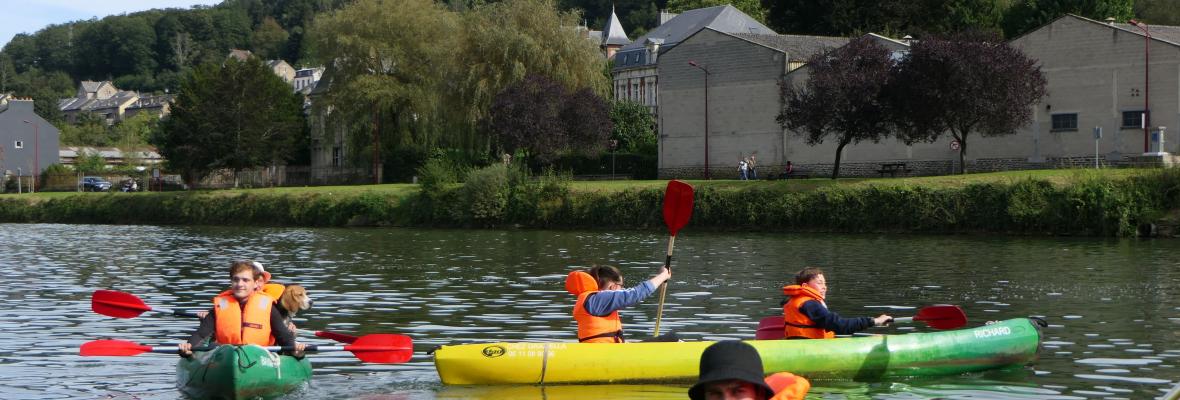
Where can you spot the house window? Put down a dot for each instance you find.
(1065, 122)
(1133, 119)
(18, 145)
(336, 156)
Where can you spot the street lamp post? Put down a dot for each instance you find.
(694, 64)
(36, 154)
(1146, 88)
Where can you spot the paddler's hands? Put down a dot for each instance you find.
(299, 348)
(185, 349)
(661, 277)
(882, 320)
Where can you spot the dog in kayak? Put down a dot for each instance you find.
(293, 300)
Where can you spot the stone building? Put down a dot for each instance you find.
(1095, 73)
(635, 76)
(744, 71)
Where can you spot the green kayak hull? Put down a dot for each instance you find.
(240, 372)
(1003, 344)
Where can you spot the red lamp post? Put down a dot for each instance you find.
(36, 153)
(1146, 87)
(698, 66)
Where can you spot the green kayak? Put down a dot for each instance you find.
(240, 372)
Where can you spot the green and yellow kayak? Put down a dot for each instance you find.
(240, 372)
(1002, 344)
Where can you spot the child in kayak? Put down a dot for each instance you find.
(732, 370)
(600, 297)
(243, 316)
(807, 315)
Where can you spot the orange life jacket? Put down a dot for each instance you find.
(272, 290)
(592, 328)
(788, 386)
(249, 325)
(797, 324)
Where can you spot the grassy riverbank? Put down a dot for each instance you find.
(1082, 202)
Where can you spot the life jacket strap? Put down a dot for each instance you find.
(618, 335)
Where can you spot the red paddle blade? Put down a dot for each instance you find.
(118, 348)
(677, 206)
(117, 304)
(771, 328)
(384, 348)
(339, 337)
(942, 316)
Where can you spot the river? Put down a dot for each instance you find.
(1111, 304)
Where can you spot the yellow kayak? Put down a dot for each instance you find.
(1002, 344)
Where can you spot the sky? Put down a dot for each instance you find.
(29, 16)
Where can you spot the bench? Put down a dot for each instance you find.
(795, 174)
(893, 169)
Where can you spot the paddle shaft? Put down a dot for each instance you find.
(664, 286)
(339, 337)
(309, 348)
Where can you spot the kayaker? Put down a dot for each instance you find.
(732, 370)
(243, 316)
(272, 290)
(600, 297)
(807, 315)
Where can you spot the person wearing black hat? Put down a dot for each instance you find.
(730, 370)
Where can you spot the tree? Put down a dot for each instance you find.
(1158, 12)
(889, 17)
(390, 63)
(964, 83)
(843, 98)
(269, 39)
(506, 41)
(633, 126)
(1027, 15)
(541, 117)
(234, 116)
(753, 8)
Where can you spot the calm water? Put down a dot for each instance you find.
(1112, 304)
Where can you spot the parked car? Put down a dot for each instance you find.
(95, 184)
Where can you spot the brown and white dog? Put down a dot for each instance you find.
(293, 300)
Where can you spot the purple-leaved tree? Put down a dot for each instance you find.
(842, 98)
(963, 83)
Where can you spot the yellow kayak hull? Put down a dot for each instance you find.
(1002, 344)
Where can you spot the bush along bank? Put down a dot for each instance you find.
(499, 196)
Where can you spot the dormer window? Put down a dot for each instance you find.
(18, 145)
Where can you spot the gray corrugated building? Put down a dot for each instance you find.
(27, 141)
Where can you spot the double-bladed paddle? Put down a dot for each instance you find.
(677, 211)
(938, 317)
(113, 303)
(384, 348)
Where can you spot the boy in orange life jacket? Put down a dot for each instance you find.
(600, 297)
(243, 316)
(807, 315)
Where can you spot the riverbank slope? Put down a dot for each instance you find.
(1115, 202)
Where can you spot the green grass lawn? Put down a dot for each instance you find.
(1056, 176)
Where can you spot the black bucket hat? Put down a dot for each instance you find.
(729, 359)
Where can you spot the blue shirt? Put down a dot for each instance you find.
(828, 320)
(604, 302)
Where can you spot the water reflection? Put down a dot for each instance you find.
(1114, 320)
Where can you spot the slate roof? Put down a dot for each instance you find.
(725, 19)
(152, 101)
(613, 33)
(797, 47)
(721, 18)
(91, 86)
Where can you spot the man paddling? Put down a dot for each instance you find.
(601, 295)
(243, 316)
(807, 315)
